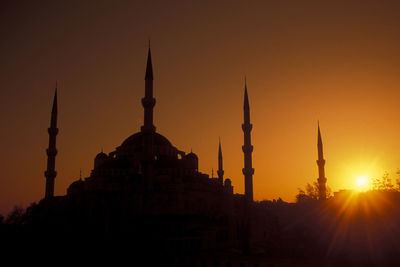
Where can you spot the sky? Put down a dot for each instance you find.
(333, 61)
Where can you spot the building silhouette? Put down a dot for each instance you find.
(152, 196)
(149, 189)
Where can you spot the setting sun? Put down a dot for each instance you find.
(362, 183)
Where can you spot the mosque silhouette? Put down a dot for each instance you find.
(152, 193)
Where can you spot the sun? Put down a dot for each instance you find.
(362, 183)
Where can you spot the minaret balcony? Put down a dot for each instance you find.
(247, 149)
(52, 131)
(51, 152)
(247, 127)
(248, 171)
(50, 174)
(148, 102)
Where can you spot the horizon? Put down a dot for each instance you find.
(301, 65)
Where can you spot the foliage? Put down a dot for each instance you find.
(16, 216)
(384, 183)
(311, 193)
(398, 179)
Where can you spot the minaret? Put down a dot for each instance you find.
(50, 173)
(220, 165)
(148, 128)
(247, 148)
(148, 101)
(321, 168)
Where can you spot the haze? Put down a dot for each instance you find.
(305, 61)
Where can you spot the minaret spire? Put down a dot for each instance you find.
(51, 151)
(220, 171)
(148, 101)
(247, 148)
(321, 168)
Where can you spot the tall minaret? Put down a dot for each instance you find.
(321, 168)
(50, 173)
(148, 128)
(247, 148)
(148, 101)
(220, 165)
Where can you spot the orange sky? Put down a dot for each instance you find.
(304, 60)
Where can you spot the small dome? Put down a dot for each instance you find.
(75, 187)
(191, 161)
(228, 182)
(191, 155)
(101, 155)
(100, 159)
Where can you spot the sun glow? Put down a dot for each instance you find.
(362, 183)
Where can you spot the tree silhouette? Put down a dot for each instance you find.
(384, 183)
(398, 179)
(311, 193)
(16, 216)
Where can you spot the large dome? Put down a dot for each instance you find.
(137, 139)
(135, 143)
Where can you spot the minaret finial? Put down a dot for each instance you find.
(149, 66)
(80, 174)
(220, 171)
(321, 167)
(320, 151)
(246, 97)
(55, 108)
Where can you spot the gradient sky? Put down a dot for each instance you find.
(333, 61)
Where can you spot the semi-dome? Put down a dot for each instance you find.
(75, 187)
